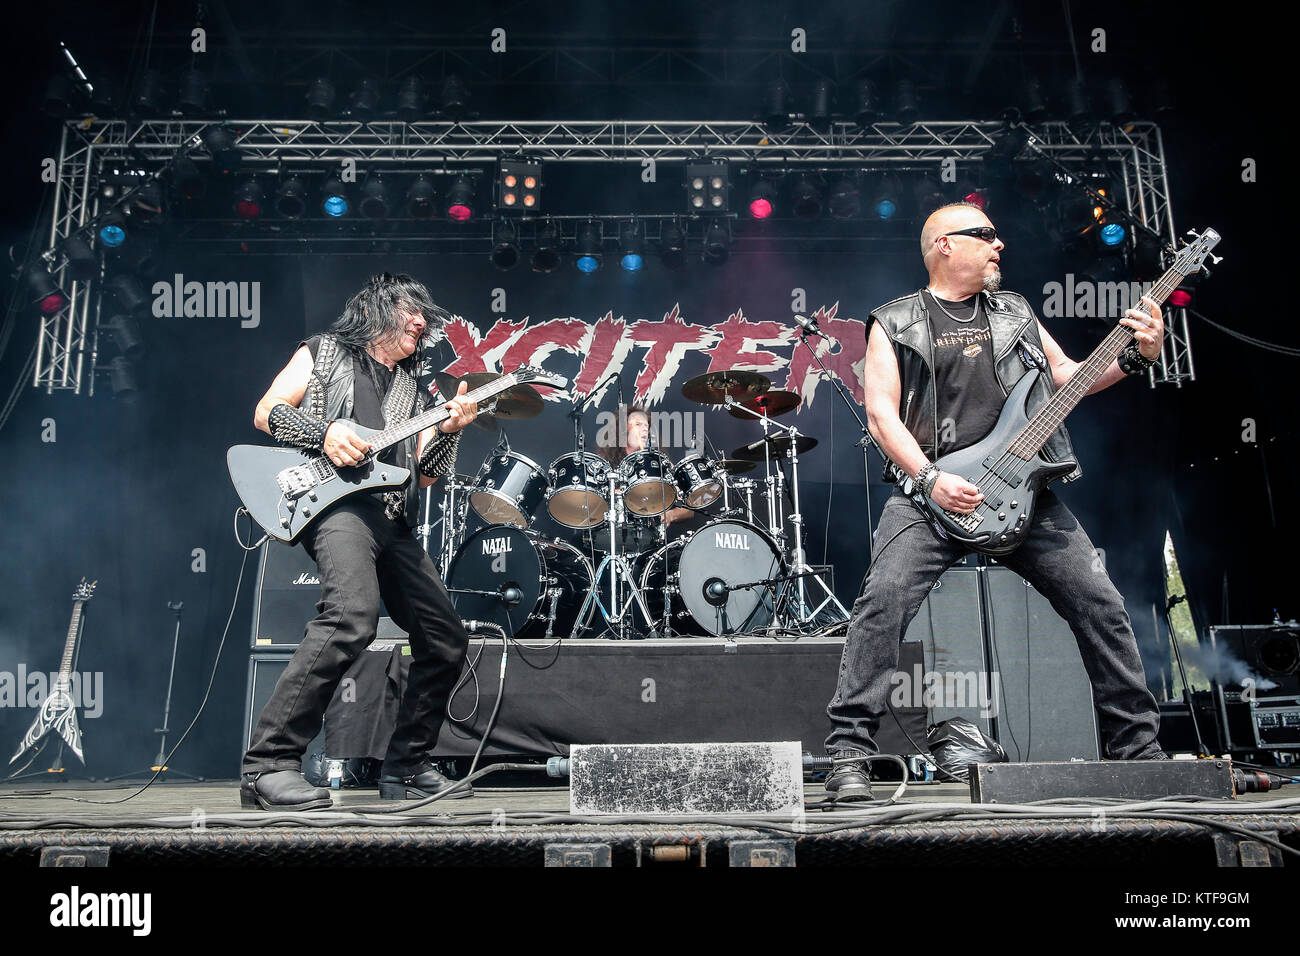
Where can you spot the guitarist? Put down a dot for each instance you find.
(363, 368)
(950, 353)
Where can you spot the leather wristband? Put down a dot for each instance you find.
(1133, 362)
(439, 457)
(293, 426)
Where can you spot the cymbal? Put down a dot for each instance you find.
(775, 402)
(779, 446)
(712, 388)
(736, 466)
(518, 402)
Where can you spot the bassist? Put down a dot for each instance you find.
(939, 365)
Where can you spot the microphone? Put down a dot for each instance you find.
(808, 324)
(511, 595)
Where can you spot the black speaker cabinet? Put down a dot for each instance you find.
(996, 653)
(263, 672)
(1254, 672)
(288, 587)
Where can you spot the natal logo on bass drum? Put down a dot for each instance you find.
(496, 545)
(731, 541)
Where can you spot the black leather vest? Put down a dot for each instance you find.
(1017, 347)
(331, 395)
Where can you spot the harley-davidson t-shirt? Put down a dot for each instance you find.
(967, 392)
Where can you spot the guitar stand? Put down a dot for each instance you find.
(160, 762)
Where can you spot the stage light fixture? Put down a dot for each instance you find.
(320, 98)
(887, 199)
(631, 246)
(717, 242)
(1119, 104)
(762, 198)
(707, 186)
(460, 200)
(1112, 234)
(1148, 255)
(365, 98)
(420, 202)
(776, 110)
(121, 378)
(43, 292)
(588, 253)
(334, 197)
(519, 185)
(823, 94)
(82, 263)
(1077, 106)
(146, 203)
(505, 244)
(546, 251)
(222, 146)
(127, 291)
(868, 106)
(929, 195)
(112, 230)
(291, 197)
(1180, 298)
(806, 197)
(194, 88)
(906, 108)
(375, 197)
(411, 98)
(672, 244)
(453, 100)
(844, 199)
(186, 177)
(1035, 101)
(248, 199)
(976, 196)
(60, 95)
(126, 333)
(1105, 268)
(148, 93)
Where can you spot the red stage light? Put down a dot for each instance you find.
(248, 210)
(760, 208)
(52, 303)
(459, 212)
(1180, 298)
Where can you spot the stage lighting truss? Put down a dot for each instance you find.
(1134, 155)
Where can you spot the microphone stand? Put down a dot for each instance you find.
(865, 442)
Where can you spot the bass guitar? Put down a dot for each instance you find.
(286, 489)
(1007, 464)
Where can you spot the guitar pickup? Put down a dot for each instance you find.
(296, 481)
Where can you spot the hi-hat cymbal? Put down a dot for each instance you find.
(773, 403)
(518, 402)
(736, 466)
(712, 388)
(779, 446)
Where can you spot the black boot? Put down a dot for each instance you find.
(281, 790)
(848, 781)
(426, 783)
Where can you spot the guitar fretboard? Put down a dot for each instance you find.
(434, 416)
(1049, 417)
(70, 645)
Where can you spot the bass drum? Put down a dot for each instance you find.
(531, 587)
(701, 570)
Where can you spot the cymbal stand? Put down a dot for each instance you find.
(619, 573)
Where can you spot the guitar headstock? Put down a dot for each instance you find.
(1191, 257)
(84, 591)
(532, 375)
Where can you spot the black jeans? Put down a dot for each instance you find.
(363, 555)
(1057, 558)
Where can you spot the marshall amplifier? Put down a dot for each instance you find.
(288, 587)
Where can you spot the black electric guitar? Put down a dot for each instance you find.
(1007, 464)
(286, 489)
(59, 711)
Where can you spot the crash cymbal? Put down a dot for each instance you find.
(519, 402)
(774, 402)
(712, 388)
(736, 466)
(778, 445)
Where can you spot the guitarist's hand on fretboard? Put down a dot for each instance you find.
(343, 446)
(955, 493)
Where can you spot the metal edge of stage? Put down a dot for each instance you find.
(1145, 843)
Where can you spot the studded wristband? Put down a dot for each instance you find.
(1133, 362)
(439, 457)
(293, 426)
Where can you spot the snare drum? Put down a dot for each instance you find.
(577, 495)
(508, 490)
(649, 479)
(699, 481)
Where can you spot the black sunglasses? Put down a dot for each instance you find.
(987, 233)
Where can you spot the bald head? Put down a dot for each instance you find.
(957, 215)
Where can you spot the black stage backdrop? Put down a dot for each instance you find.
(138, 496)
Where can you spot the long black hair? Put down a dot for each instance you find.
(374, 313)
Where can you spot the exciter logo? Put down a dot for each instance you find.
(653, 350)
(731, 541)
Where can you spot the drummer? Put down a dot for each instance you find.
(637, 439)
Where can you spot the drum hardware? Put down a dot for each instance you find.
(771, 403)
(619, 573)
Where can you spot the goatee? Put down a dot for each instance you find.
(994, 282)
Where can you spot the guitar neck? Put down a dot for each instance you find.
(434, 416)
(1063, 401)
(70, 645)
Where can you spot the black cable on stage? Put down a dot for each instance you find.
(501, 688)
(212, 678)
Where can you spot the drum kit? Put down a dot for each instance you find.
(611, 570)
